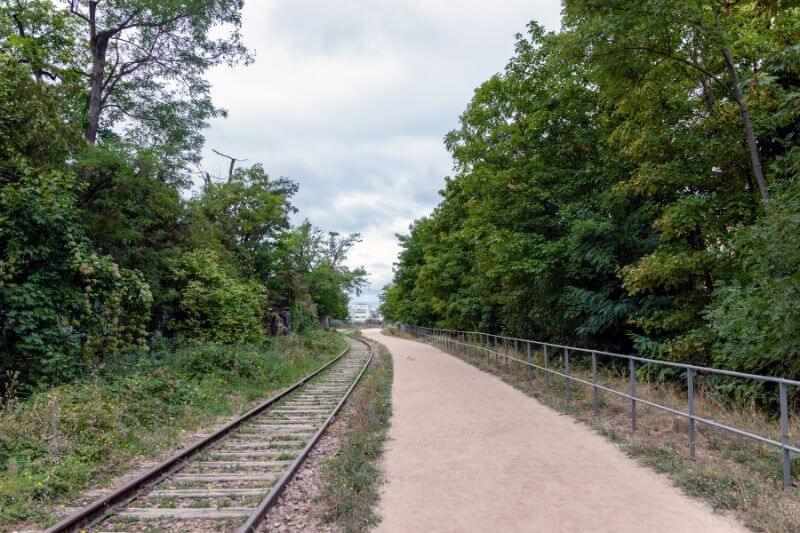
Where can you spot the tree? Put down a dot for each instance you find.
(41, 36)
(139, 63)
(310, 271)
(216, 302)
(714, 43)
(530, 233)
(248, 213)
(157, 48)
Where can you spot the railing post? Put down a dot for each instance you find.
(496, 354)
(692, 434)
(516, 358)
(632, 365)
(785, 455)
(530, 382)
(594, 384)
(546, 371)
(505, 350)
(566, 374)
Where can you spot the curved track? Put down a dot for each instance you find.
(229, 480)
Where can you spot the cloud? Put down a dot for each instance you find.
(352, 99)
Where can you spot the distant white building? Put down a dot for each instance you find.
(359, 313)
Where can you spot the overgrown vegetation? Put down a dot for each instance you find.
(731, 474)
(629, 183)
(102, 107)
(352, 476)
(57, 442)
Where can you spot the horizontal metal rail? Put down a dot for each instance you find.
(492, 344)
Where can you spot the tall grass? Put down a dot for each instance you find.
(352, 476)
(57, 442)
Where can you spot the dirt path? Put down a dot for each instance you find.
(470, 453)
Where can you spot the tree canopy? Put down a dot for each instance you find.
(629, 183)
(103, 247)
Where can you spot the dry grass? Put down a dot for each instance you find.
(59, 442)
(731, 473)
(352, 477)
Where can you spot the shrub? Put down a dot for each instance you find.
(216, 303)
(756, 319)
(65, 307)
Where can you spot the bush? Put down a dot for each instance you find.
(756, 319)
(65, 307)
(216, 303)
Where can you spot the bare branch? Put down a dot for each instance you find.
(233, 162)
(75, 10)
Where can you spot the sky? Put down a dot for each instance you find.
(351, 99)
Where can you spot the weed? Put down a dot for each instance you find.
(352, 476)
(56, 442)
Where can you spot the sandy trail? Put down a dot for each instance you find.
(467, 452)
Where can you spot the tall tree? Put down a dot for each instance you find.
(720, 45)
(146, 60)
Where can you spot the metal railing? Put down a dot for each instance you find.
(492, 345)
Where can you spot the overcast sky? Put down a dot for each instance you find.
(352, 98)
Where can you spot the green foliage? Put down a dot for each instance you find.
(64, 305)
(102, 106)
(137, 66)
(215, 303)
(611, 186)
(132, 208)
(248, 215)
(531, 232)
(755, 318)
(309, 265)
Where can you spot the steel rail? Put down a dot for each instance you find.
(255, 519)
(638, 399)
(102, 507)
(589, 351)
(452, 338)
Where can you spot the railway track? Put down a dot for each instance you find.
(230, 479)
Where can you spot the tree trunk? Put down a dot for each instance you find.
(752, 145)
(230, 169)
(99, 47)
